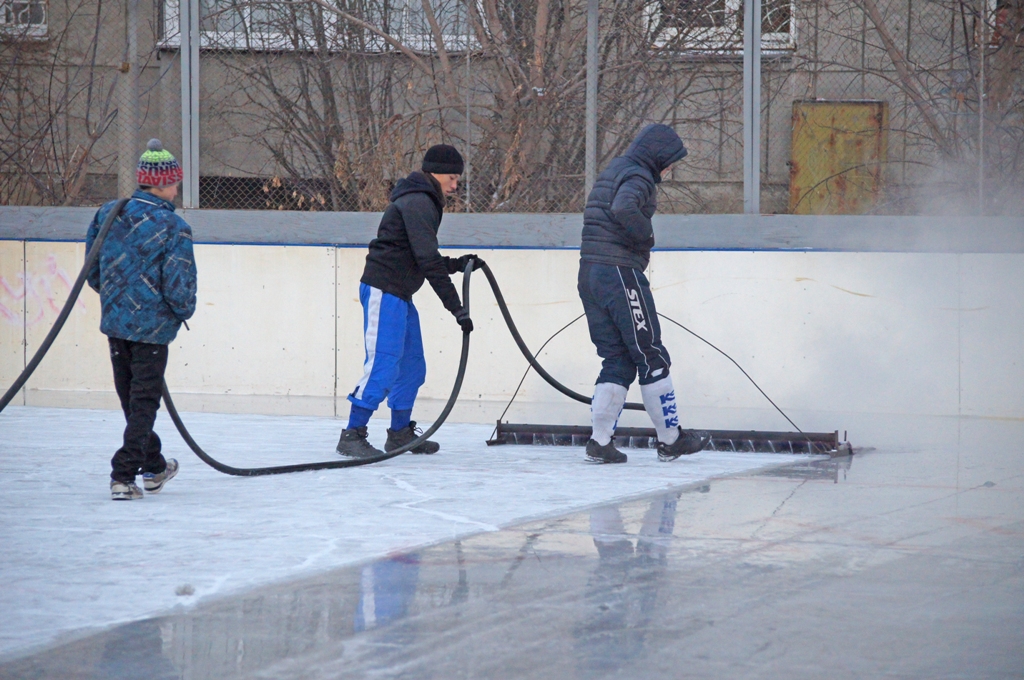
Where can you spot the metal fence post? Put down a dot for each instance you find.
(983, 40)
(189, 31)
(591, 106)
(469, 119)
(128, 104)
(752, 107)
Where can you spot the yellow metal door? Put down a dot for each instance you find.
(838, 156)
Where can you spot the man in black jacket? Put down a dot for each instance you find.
(623, 323)
(403, 255)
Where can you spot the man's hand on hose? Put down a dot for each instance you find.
(462, 316)
(464, 260)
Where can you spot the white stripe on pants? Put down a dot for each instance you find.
(370, 338)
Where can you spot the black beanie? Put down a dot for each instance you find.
(442, 159)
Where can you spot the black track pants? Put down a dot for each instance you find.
(623, 323)
(138, 379)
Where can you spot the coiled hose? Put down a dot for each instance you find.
(500, 299)
(348, 462)
(324, 465)
(76, 290)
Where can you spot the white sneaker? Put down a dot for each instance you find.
(153, 483)
(124, 491)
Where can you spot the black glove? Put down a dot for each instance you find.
(462, 316)
(461, 262)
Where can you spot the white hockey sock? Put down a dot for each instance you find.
(660, 403)
(605, 409)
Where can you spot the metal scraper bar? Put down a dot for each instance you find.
(645, 438)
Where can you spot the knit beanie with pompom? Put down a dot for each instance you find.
(157, 167)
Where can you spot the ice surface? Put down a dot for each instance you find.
(72, 560)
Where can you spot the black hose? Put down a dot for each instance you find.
(332, 464)
(529, 368)
(76, 289)
(576, 395)
(632, 406)
(69, 304)
(325, 465)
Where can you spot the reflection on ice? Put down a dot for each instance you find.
(622, 591)
(74, 561)
(743, 576)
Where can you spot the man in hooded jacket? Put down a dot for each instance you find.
(403, 256)
(616, 248)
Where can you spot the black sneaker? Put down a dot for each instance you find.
(689, 441)
(399, 438)
(353, 444)
(604, 454)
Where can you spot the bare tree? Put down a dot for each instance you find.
(40, 93)
(926, 61)
(1005, 107)
(59, 103)
(328, 102)
(352, 92)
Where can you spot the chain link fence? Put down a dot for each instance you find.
(868, 106)
(879, 104)
(83, 85)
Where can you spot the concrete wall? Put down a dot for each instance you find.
(278, 330)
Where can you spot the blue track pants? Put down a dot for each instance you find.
(394, 365)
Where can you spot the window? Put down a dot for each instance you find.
(24, 18)
(250, 24)
(408, 23)
(238, 24)
(681, 15)
(717, 25)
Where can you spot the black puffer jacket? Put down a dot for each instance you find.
(617, 219)
(405, 250)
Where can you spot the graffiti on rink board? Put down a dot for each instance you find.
(42, 292)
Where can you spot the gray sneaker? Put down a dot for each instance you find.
(124, 491)
(154, 482)
(399, 438)
(354, 445)
(689, 441)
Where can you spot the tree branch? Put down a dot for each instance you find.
(442, 53)
(907, 79)
(397, 44)
(540, 31)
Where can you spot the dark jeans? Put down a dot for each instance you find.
(623, 323)
(138, 379)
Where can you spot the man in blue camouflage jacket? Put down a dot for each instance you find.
(146, 278)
